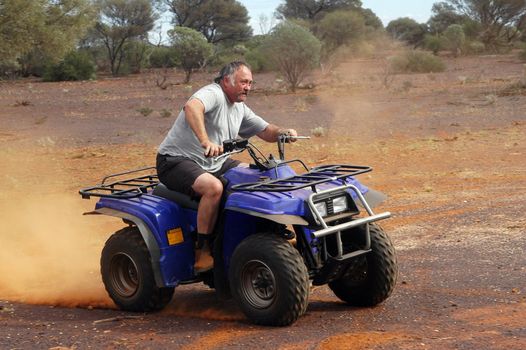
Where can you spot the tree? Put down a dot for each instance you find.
(48, 29)
(120, 21)
(444, 15)
(294, 50)
(371, 19)
(501, 21)
(314, 9)
(408, 30)
(192, 48)
(340, 28)
(218, 20)
(455, 38)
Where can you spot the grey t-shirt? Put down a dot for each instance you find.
(223, 121)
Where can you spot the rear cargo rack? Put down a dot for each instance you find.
(123, 187)
(316, 176)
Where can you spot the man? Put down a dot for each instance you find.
(185, 163)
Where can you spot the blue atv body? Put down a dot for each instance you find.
(278, 233)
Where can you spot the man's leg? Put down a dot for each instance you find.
(211, 189)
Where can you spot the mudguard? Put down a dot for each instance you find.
(155, 217)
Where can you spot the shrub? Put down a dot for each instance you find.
(474, 47)
(318, 131)
(77, 65)
(433, 43)
(163, 57)
(145, 111)
(416, 61)
(192, 48)
(293, 50)
(455, 39)
(522, 54)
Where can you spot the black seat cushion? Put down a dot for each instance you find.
(180, 198)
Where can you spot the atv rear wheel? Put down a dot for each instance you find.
(370, 278)
(128, 275)
(269, 280)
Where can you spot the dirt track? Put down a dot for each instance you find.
(449, 150)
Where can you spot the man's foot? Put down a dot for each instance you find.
(203, 261)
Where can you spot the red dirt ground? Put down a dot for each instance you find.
(448, 148)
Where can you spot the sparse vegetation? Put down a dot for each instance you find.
(165, 113)
(77, 65)
(416, 61)
(318, 131)
(145, 111)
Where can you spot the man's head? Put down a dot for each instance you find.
(236, 80)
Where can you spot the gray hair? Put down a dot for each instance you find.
(229, 70)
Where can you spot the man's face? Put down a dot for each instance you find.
(238, 91)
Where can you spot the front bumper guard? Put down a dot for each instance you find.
(337, 229)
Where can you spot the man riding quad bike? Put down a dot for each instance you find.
(278, 233)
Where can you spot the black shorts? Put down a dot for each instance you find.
(179, 173)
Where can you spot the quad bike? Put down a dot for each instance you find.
(278, 234)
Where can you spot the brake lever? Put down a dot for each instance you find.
(224, 155)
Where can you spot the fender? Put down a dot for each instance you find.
(147, 236)
(155, 217)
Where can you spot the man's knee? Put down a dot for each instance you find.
(208, 185)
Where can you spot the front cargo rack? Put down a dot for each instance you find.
(123, 187)
(316, 176)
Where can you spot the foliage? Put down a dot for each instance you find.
(293, 50)
(433, 43)
(163, 57)
(137, 54)
(443, 15)
(340, 28)
(407, 30)
(454, 38)
(41, 28)
(77, 65)
(314, 9)
(522, 54)
(219, 21)
(474, 47)
(192, 48)
(501, 21)
(119, 22)
(416, 61)
(371, 19)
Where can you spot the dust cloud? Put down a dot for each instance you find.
(49, 251)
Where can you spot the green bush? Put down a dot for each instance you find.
(474, 47)
(433, 43)
(416, 61)
(293, 50)
(163, 57)
(77, 65)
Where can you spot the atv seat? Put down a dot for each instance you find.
(182, 199)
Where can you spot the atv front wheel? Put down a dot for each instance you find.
(128, 275)
(269, 280)
(370, 278)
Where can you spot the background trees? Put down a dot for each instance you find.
(33, 31)
(191, 48)
(293, 50)
(314, 9)
(120, 21)
(219, 21)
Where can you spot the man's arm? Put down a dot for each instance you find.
(271, 133)
(194, 111)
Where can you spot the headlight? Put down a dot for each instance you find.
(339, 204)
(321, 207)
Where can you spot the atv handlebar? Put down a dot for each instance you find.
(233, 146)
